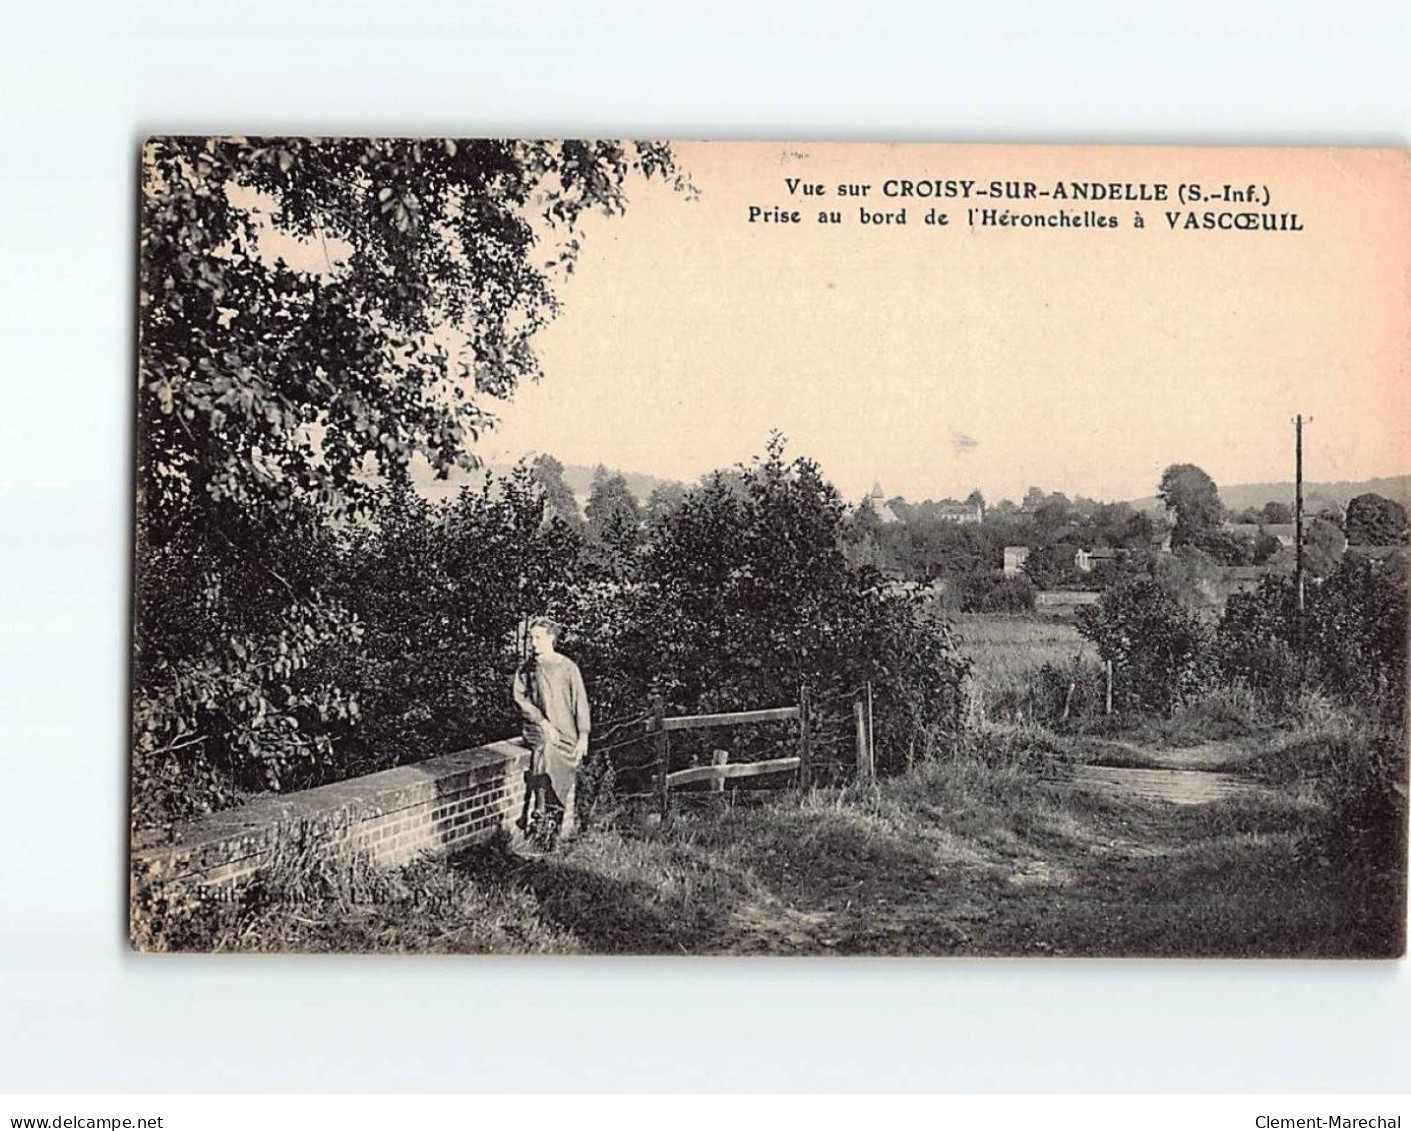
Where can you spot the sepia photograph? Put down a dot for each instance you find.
(586, 547)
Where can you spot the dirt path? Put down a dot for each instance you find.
(1109, 884)
(961, 859)
(1171, 859)
(1183, 775)
(1205, 756)
(1155, 880)
(1179, 786)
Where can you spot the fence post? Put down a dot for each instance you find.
(805, 769)
(718, 758)
(871, 735)
(663, 755)
(1109, 688)
(864, 753)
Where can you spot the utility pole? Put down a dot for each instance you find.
(1298, 579)
(1298, 517)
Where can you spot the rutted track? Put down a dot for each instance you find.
(1178, 786)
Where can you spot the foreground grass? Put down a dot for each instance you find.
(965, 859)
(971, 856)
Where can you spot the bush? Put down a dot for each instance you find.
(1226, 547)
(1356, 765)
(237, 639)
(1158, 648)
(1356, 636)
(440, 592)
(994, 593)
(1353, 643)
(1254, 642)
(1051, 566)
(398, 644)
(744, 594)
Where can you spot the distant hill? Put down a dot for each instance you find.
(1242, 495)
(579, 478)
(1237, 497)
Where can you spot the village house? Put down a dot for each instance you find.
(1393, 556)
(1087, 560)
(1014, 559)
(1241, 579)
(1283, 531)
(962, 513)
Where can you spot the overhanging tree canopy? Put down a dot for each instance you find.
(301, 299)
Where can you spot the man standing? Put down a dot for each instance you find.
(553, 704)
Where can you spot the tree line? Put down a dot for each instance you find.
(926, 545)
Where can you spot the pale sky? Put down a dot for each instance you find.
(935, 360)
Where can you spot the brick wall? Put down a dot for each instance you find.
(435, 806)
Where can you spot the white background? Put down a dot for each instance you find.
(81, 83)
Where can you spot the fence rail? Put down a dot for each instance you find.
(722, 770)
(734, 718)
(660, 727)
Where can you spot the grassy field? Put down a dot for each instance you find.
(1024, 665)
(1000, 644)
(984, 854)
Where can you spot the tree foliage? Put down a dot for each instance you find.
(1226, 546)
(1192, 495)
(1350, 641)
(614, 520)
(262, 382)
(1158, 647)
(1048, 567)
(995, 593)
(926, 545)
(1373, 520)
(745, 595)
(559, 500)
(663, 502)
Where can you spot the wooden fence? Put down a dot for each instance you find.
(660, 726)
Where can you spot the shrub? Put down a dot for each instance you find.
(1352, 646)
(1254, 641)
(1050, 566)
(1356, 765)
(1158, 648)
(992, 593)
(1226, 547)
(1007, 595)
(1356, 636)
(744, 594)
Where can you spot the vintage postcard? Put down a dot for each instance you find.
(586, 547)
